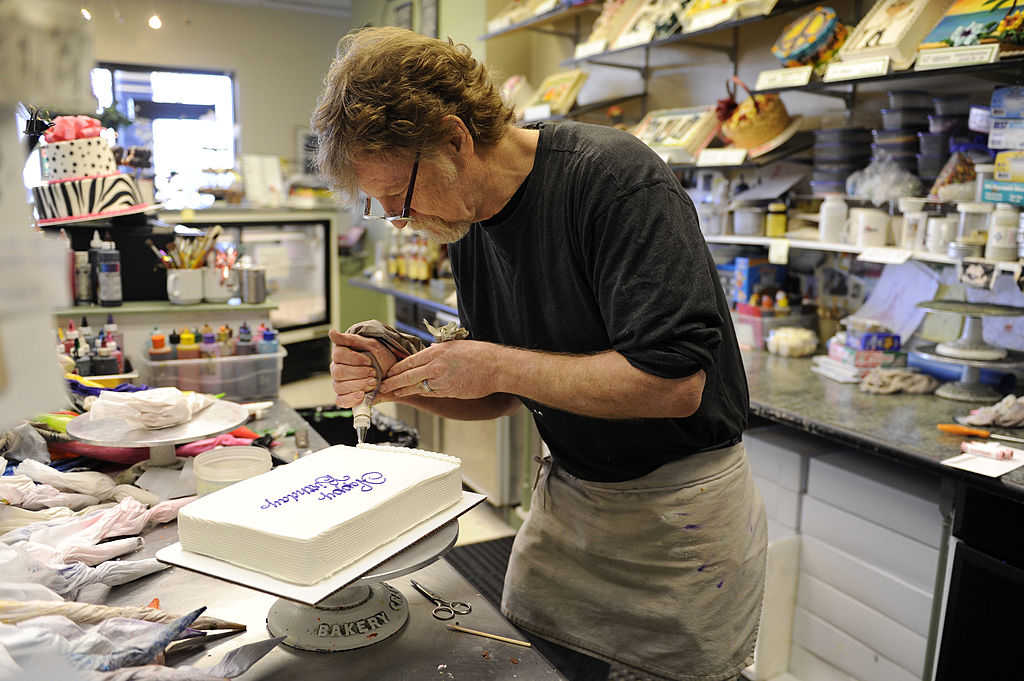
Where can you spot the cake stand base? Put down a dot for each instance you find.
(357, 616)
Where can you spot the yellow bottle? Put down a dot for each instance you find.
(775, 223)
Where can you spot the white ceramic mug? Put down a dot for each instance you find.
(185, 287)
(869, 227)
(217, 289)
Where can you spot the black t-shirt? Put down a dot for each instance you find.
(600, 250)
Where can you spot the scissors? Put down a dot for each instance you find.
(445, 610)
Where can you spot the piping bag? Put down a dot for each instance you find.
(401, 346)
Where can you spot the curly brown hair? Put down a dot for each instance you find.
(388, 90)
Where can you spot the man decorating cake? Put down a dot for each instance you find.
(591, 298)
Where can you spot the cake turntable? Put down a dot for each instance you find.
(219, 417)
(970, 351)
(354, 607)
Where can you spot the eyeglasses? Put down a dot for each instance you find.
(404, 218)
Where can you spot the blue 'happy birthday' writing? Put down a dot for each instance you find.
(329, 487)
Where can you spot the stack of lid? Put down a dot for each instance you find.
(949, 120)
(908, 114)
(838, 152)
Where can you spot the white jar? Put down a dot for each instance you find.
(974, 217)
(832, 219)
(748, 221)
(982, 172)
(914, 221)
(1002, 234)
(940, 231)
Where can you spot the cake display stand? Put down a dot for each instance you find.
(970, 351)
(219, 417)
(354, 607)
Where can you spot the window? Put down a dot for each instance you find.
(186, 117)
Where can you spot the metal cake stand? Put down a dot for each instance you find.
(365, 612)
(970, 351)
(219, 417)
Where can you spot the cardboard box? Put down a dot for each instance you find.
(844, 651)
(994, 191)
(873, 340)
(864, 359)
(1009, 166)
(907, 558)
(1008, 102)
(1006, 133)
(883, 492)
(752, 273)
(889, 638)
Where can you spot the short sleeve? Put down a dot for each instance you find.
(654, 280)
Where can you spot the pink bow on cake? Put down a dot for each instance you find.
(67, 128)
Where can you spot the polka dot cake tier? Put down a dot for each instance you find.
(82, 181)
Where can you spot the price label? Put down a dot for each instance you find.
(856, 68)
(710, 17)
(976, 273)
(641, 37)
(545, 7)
(952, 57)
(885, 256)
(778, 251)
(721, 157)
(584, 50)
(537, 112)
(798, 76)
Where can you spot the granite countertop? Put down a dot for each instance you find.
(900, 426)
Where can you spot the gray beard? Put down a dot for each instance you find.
(441, 231)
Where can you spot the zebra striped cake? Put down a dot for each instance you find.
(87, 198)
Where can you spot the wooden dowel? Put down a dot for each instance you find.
(456, 627)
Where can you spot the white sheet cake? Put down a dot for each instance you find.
(305, 520)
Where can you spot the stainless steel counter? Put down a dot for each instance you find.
(424, 649)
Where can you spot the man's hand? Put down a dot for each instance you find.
(352, 371)
(462, 369)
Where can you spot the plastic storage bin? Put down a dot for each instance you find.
(949, 124)
(748, 220)
(909, 99)
(753, 331)
(239, 377)
(930, 166)
(903, 119)
(895, 136)
(934, 143)
(952, 105)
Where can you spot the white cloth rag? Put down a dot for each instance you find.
(153, 409)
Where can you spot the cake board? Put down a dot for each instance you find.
(352, 608)
(778, 140)
(219, 417)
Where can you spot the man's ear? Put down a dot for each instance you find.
(460, 141)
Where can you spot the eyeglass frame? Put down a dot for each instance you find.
(406, 206)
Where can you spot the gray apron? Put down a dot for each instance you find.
(664, 574)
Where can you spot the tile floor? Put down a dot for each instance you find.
(480, 524)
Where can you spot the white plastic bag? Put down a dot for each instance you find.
(153, 409)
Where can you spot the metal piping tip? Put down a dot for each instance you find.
(361, 434)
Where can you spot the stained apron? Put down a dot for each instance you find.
(664, 573)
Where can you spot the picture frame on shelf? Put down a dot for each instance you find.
(968, 23)
(894, 29)
(428, 18)
(559, 90)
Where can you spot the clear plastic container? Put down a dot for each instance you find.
(934, 143)
(929, 165)
(951, 124)
(909, 99)
(748, 220)
(974, 217)
(895, 136)
(753, 331)
(842, 136)
(952, 105)
(239, 377)
(983, 171)
(895, 148)
(839, 153)
(903, 119)
(223, 466)
(821, 187)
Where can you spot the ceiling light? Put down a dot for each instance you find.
(155, 23)
(86, 14)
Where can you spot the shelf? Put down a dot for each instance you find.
(587, 108)
(159, 307)
(782, 7)
(812, 245)
(539, 22)
(1012, 69)
(801, 141)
